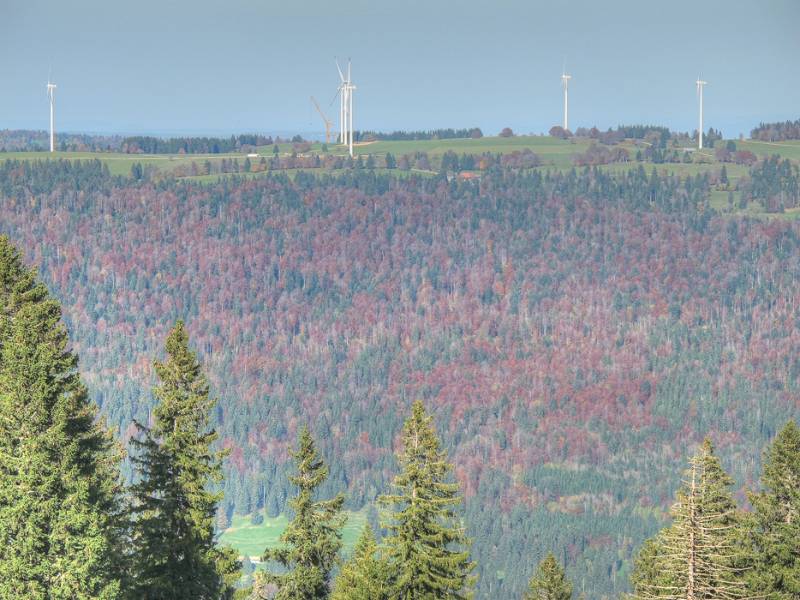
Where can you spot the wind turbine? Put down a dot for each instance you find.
(346, 89)
(565, 82)
(51, 94)
(700, 84)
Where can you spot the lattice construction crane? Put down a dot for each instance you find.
(328, 122)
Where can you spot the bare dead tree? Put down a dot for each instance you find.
(697, 557)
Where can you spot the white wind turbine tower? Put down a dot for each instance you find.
(51, 94)
(346, 89)
(700, 84)
(565, 82)
(350, 89)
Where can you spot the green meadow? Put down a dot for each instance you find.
(790, 149)
(553, 151)
(251, 540)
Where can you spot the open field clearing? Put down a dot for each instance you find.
(251, 540)
(734, 171)
(559, 152)
(789, 149)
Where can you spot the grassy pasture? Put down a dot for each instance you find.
(790, 149)
(251, 540)
(734, 171)
(553, 151)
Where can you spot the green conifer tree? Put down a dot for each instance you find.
(775, 524)
(313, 538)
(701, 555)
(176, 554)
(426, 545)
(61, 530)
(365, 575)
(549, 582)
(647, 570)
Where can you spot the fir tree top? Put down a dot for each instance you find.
(781, 475)
(312, 539)
(775, 523)
(426, 543)
(365, 575)
(549, 582)
(175, 505)
(183, 394)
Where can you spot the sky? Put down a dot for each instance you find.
(231, 66)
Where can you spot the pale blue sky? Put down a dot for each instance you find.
(223, 66)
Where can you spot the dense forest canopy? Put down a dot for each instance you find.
(15, 140)
(193, 145)
(775, 132)
(572, 333)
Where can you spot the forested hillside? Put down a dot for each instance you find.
(12, 140)
(573, 334)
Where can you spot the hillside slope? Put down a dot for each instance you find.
(574, 334)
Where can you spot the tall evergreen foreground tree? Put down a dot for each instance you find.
(60, 527)
(426, 543)
(313, 538)
(549, 582)
(776, 520)
(699, 556)
(176, 555)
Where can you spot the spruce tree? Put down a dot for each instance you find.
(176, 554)
(61, 530)
(426, 545)
(648, 573)
(549, 582)
(775, 524)
(365, 575)
(700, 556)
(313, 538)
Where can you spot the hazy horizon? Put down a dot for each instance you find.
(173, 68)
